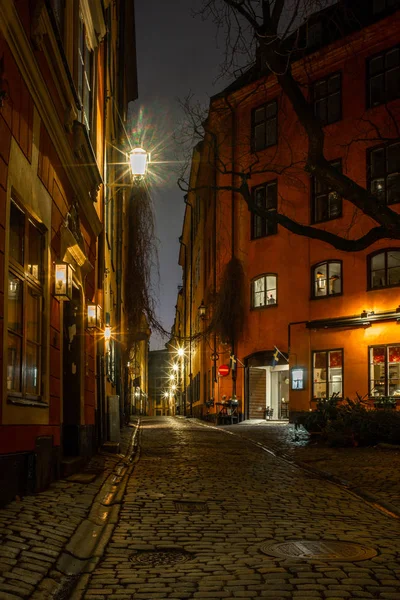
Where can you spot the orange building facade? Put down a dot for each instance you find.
(59, 67)
(316, 321)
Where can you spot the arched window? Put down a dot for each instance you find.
(327, 279)
(384, 269)
(264, 291)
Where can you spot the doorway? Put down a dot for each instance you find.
(72, 353)
(268, 392)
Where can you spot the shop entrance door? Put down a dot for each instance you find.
(279, 392)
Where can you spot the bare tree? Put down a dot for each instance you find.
(278, 30)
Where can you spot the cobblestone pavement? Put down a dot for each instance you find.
(375, 472)
(217, 498)
(35, 529)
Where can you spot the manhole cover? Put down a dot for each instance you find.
(190, 506)
(325, 550)
(156, 558)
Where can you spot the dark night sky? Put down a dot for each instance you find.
(176, 54)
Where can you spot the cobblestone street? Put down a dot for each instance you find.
(201, 504)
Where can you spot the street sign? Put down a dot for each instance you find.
(223, 370)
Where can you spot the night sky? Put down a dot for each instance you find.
(176, 54)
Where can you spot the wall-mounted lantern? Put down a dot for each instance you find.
(202, 310)
(107, 333)
(93, 316)
(63, 281)
(138, 159)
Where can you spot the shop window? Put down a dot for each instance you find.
(326, 202)
(327, 374)
(24, 306)
(327, 99)
(265, 196)
(384, 371)
(264, 291)
(265, 126)
(384, 172)
(383, 77)
(384, 269)
(327, 279)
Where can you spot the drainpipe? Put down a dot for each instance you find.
(233, 126)
(190, 308)
(184, 315)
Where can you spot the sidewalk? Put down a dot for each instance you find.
(372, 473)
(47, 539)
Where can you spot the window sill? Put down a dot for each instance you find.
(327, 296)
(17, 401)
(313, 222)
(265, 306)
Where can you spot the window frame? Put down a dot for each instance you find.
(35, 286)
(253, 218)
(266, 305)
(313, 99)
(369, 270)
(312, 280)
(386, 362)
(328, 394)
(368, 103)
(370, 151)
(314, 195)
(253, 126)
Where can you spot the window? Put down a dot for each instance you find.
(327, 374)
(264, 126)
(25, 297)
(327, 99)
(298, 378)
(314, 34)
(326, 203)
(379, 6)
(384, 370)
(384, 269)
(264, 292)
(265, 196)
(384, 172)
(85, 77)
(327, 279)
(383, 77)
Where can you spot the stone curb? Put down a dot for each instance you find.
(88, 542)
(383, 506)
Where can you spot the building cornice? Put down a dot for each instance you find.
(21, 49)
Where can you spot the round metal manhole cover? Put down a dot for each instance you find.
(321, 550)
(160, 558)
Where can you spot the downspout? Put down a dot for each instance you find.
(190, 308)
(233, 125)
(184, 316)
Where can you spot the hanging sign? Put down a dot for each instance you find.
(223, 370)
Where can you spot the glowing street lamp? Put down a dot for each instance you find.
(107, 333)
(181, 352)
(138, 159)
(172, 377)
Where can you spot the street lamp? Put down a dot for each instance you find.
(138, 159)
(202, 309)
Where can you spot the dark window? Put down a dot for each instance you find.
(24, 304)
(327, 378)
(327, 279)
(314, 34)
(384, 269)
(266, 197)
(264, 126)
(384, 370)
(264, 291)
(327, 99)
(384, 172)
(326, 202)
(85, 77)
(379, 6)
(383, 77)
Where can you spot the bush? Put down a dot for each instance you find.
(352, 423)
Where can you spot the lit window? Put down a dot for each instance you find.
(327, 279)
(384, 371)
(327, 374)
(326, 202)
(383, 77)
(265, 126)
(266, 197)
(384, 172)
(384, 269)
(327, 99)
(264, 292)
(24, 306)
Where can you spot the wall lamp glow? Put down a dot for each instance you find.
(107, 332)
(63, 281)
(139, 160)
